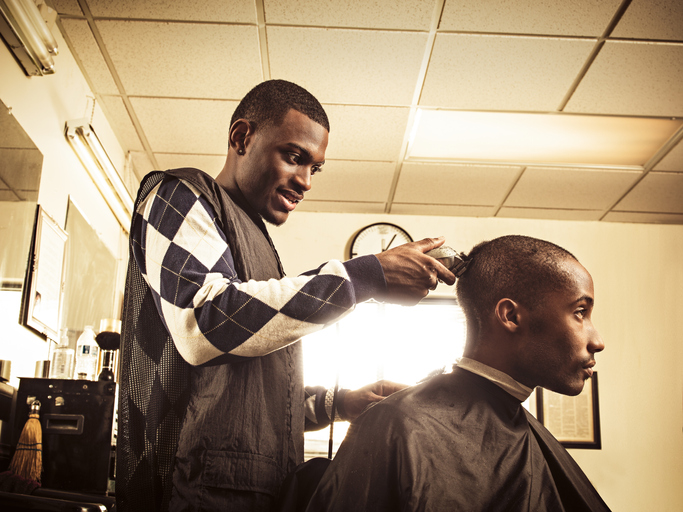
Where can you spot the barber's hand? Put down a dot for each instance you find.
(355, 401)
(410, 273)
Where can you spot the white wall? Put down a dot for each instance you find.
(638, 274)
(42, 105)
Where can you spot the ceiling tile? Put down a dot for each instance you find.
(454, 184)
(673, 161)
(85, 48)
(69, 7)
(183, 59)
(541, 213)
(123, 127)
(442, 209)
(658, 192)
(243, 11)
(353, 181)
(564, 188)
(650, 218)
(210, 164)
(185, 126)
(652, 19)
(141, 165)
(502, 73)
(340, 207)
(366, 133)
(403, 14)
(575, 18)
(349, 66)
(633, 79)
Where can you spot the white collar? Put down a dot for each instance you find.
(503, 380)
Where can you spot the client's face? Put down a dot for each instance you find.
(563, 340)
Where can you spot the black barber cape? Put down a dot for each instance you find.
(457, 442)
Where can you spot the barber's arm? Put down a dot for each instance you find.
(410, 273)
(349, 404)
(209, 312)
(213, 316)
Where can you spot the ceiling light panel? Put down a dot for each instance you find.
(550, 139)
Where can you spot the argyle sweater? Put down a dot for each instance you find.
(210, 327)
(185, 259)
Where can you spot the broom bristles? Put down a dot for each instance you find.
(27, 461)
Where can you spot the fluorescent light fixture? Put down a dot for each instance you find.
(89, 149)
(26, 34)
(537, 139)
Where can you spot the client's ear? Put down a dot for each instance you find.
(508, 315)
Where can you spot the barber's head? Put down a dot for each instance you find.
(532, 301)
(269, 102)
(278, 138)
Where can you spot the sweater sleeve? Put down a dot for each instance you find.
(209, 312)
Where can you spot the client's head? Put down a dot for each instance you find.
(528, 305)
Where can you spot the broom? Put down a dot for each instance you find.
(27, 461)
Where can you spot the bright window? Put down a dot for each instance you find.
(381, 341)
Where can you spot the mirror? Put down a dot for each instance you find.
(90, 285)
(44, 283)
(21, 165)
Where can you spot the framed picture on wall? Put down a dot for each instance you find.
(573, 420)
(44, 282)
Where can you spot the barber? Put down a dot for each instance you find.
(211, 410)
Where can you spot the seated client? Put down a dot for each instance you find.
(462, 441)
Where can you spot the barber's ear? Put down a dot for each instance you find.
(508, 314)
(240, 135)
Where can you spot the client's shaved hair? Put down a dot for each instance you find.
(516, 267)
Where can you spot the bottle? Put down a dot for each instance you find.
(86, 355)
(62, 363)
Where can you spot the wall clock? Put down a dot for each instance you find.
(377, 238)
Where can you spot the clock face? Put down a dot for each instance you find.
(377, 238)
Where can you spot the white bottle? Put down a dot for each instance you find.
(62, 364)
(87, 351)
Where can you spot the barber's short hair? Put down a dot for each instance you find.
(268, 104)
(516, 267)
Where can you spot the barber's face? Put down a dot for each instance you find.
(560, 353)
(278, 163)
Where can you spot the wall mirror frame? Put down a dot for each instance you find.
(43, 292)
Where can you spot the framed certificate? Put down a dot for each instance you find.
(573, 420)
(44, 282)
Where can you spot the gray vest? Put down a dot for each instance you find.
(232, 426)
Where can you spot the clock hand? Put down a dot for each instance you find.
(390, 242)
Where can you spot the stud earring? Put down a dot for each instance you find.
(240, 151)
